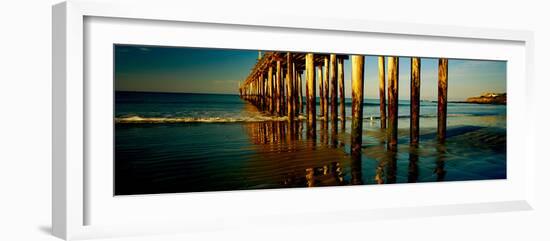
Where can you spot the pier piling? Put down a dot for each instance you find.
(382, 91)
(415, 100)
(442, 99)
(326, 88)
(307, 90)
(311, 101)
(294, 89)
(300, 101)
(261, 91)
(278, 88)
(342, 95)
(357, 76)
(270, 88)
(333, 90)
(393, 101)
(321, 92)
(289, 89)
(333, 101)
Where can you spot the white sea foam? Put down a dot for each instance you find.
(254, 118)
(152, 120)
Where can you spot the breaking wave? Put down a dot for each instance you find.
(152, 120)
(258, 118)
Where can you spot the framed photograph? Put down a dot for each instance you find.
(175, 121)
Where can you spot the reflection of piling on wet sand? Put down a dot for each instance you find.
(286, 137)
(440, 162)
(327, 175)
(413, 164)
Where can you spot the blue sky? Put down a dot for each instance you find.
(197, 70)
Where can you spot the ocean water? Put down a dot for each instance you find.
(173, 142)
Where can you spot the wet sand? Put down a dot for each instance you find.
(193, 157)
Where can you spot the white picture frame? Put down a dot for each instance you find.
(72, 191)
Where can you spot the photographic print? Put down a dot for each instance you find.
(205, 119)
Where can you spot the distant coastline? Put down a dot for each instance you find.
(488, 98)
(485, 98)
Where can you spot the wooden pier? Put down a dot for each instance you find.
(274, 86)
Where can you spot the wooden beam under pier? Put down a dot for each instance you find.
(269, 58)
